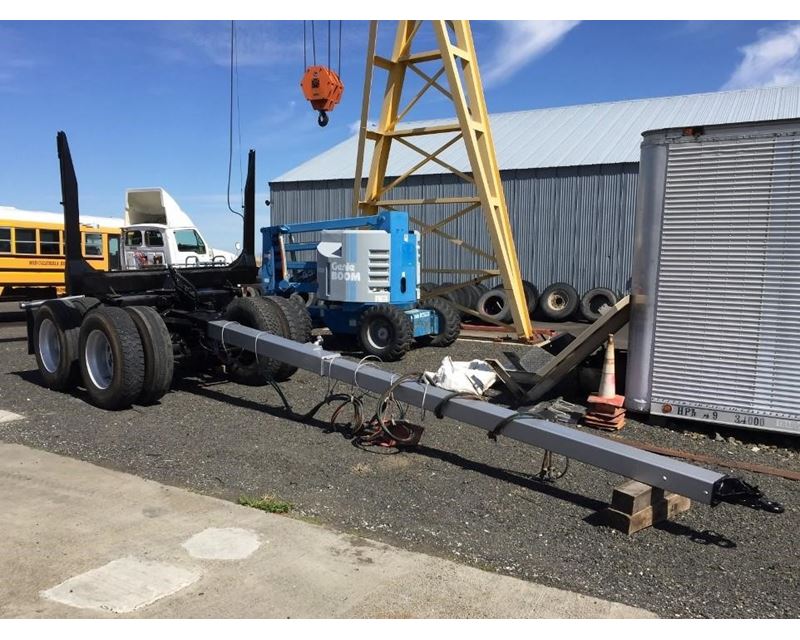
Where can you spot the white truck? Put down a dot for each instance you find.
(158, 232)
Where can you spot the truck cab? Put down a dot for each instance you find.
(158, 232)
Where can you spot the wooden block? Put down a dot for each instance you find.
(670, 506)
(632, 496)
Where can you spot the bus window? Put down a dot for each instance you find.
(5, 240)
(49, 242)
(93, 244)
(153, 238)
(113, 252)
(25, 241)
(188, 240)
(133, 238)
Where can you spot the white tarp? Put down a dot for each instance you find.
(475, 376)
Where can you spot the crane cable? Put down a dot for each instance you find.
(234, 70)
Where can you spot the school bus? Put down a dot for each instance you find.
(32, 251)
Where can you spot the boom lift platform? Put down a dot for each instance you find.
(122, 342)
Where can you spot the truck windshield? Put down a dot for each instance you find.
(189, 240)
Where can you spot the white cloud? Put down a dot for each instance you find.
(520, 42)
(772, 60)
(13, 61)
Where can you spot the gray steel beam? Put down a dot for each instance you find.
(685, 479)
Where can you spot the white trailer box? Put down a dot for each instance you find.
(715, 315)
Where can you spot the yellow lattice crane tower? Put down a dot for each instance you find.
(459, 81)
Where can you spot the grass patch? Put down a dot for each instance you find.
(270, 504)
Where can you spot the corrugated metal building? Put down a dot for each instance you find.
(570, 177)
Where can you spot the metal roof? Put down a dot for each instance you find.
(588, 134)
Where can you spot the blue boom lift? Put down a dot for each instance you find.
(362, 281)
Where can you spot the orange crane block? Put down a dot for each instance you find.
(323, 88)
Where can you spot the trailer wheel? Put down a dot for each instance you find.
(55, 342)
(596, 302)
(111, 358)
(559, 301)
(494, 304)
(257, 313)
(302, 318)
(294, 326)
(159, 361)
(385, 331)
(449, 323)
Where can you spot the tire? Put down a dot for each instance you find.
(111, 358)
(257, 313)
(559, 301)
(56, 330)
(303, 299)
(449, 323)
(159, 360)
(596, 302)
(494, 304)
(297, 327)
(385, 331)
(531, 295)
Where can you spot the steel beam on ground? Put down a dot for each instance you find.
(685, 479)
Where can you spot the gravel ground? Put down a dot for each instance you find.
(457, 495)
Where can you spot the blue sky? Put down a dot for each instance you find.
(146, 103)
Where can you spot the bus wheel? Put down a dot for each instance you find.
(55, 343)
(111, 358)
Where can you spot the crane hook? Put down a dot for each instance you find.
(322, 120)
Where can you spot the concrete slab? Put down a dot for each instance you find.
(9, 416)
(63, 518)
(122, 586)
(222, 544)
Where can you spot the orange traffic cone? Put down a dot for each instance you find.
(605, 407)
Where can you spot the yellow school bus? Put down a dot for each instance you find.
(32, 251)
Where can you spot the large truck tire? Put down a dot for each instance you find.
(596, 302)
(111, 358)
(385, 331)
(494, 304)
(56, 328)
(559, 301)
(531, 294)
(257, 313)
(449, 323)
(159, 360)
(294, 326)
(301, 318)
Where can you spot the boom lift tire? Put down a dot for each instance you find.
(257, 313)
(385, 331)
(112, 360)
(494, 305)
(559, 301)
(596, 302)
(159, 360)
(55, 342)
(449, 323)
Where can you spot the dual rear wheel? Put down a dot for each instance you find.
(121, 355)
